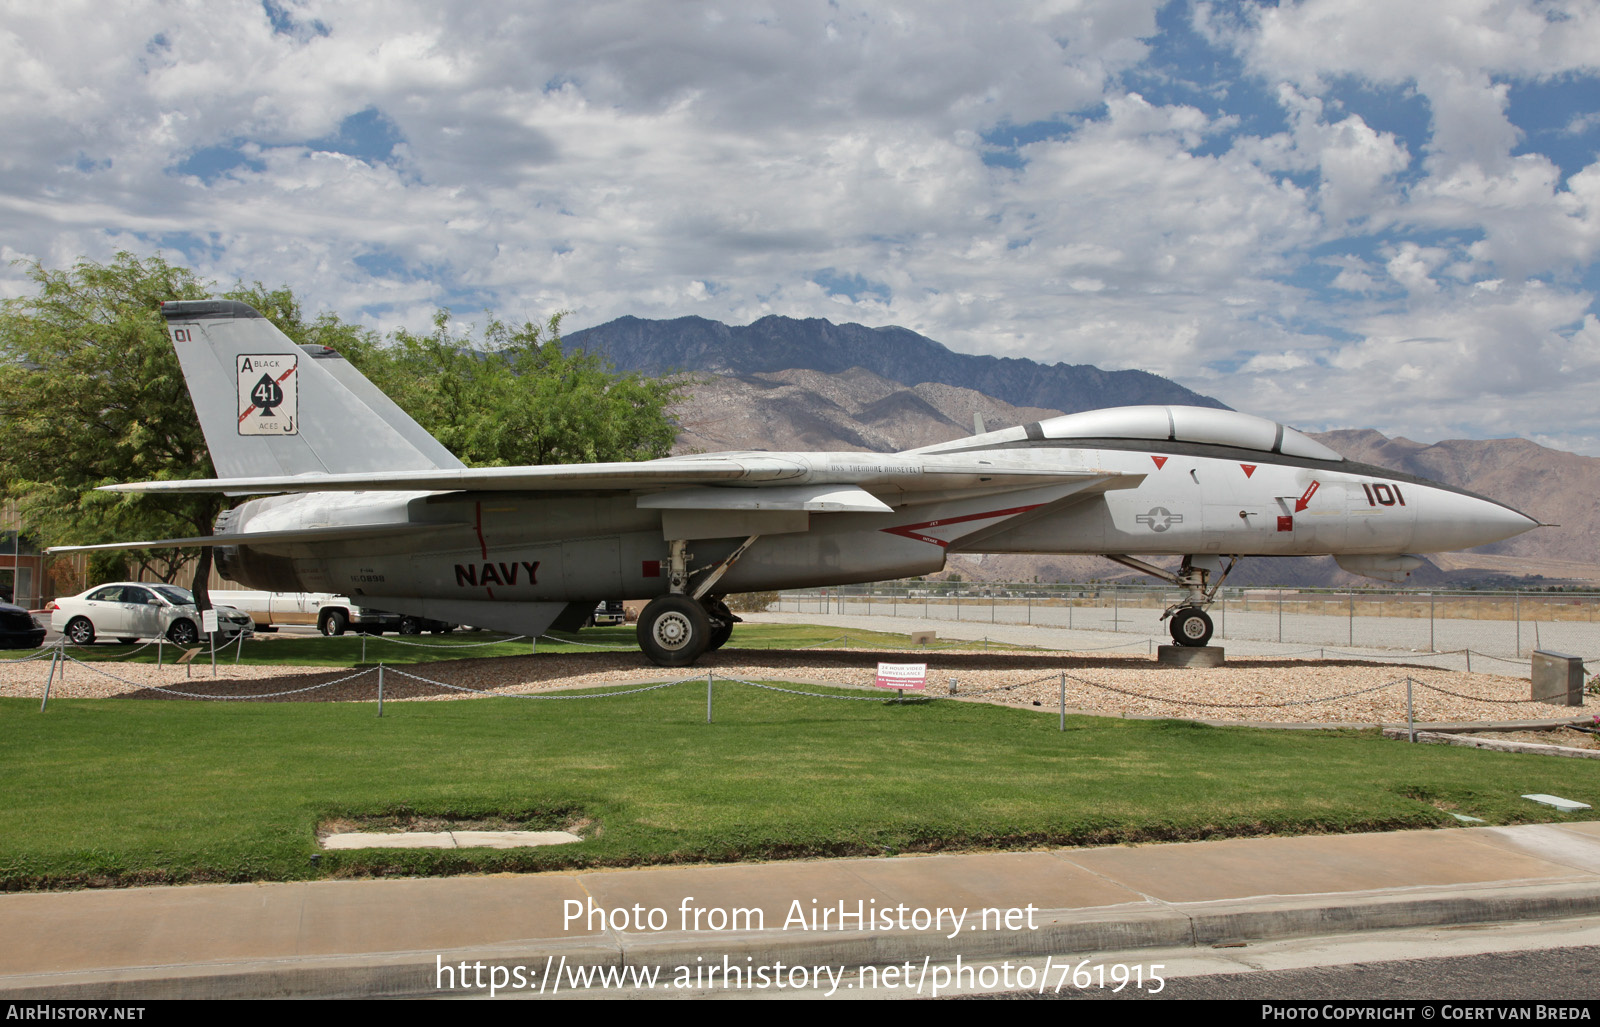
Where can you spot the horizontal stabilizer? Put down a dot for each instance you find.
(330, 534)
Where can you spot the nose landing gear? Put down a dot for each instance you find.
(1200, 577)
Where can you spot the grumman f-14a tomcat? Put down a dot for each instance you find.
(360, 500)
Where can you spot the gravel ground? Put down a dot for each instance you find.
(1248, 688)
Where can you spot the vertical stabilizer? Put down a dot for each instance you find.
(270, 408)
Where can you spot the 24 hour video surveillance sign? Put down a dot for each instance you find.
(268, 396)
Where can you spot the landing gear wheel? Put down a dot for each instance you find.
(674, 630)
(81, 631)
(722, 622)
(1191, 627)
(334, 622)
(410, 626)
(183, 633)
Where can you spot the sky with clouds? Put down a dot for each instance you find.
(1335, 213)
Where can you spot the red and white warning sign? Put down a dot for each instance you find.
(902, 675)
(268, 394)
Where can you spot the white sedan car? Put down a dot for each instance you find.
(131, 610)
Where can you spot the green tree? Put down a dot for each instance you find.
(91, 394)
(521, 398)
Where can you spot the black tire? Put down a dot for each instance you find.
(410, 626)
(333, 622)
(674, 631)
(81, 631)
(1191, 627)
(183, 632)
(719, 636)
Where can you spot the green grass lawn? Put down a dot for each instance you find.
(347, 650)
(122, 792)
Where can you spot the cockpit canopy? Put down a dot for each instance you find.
(1202, 425)
(1187, 424)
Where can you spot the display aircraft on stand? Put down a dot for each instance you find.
(361, 501)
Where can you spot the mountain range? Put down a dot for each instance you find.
(898, 354)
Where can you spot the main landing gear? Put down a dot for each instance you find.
(675, 629)
(1200, 577)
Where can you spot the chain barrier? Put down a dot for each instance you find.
(200, 695)
(539, 695)
(1501, 702)
(588, 645)
(816, 695)
(118, 656)
(38, 654)
(1239, 706)
(449, 645)
(1007, 688)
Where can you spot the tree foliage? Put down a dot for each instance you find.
(522, 399)
(91, 394)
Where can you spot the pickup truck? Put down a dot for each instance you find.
(331, 614)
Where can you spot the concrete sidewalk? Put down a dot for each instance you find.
(406, 937)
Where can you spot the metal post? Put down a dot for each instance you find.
(1516, 614)
(363, 647)
(1063, 700)
(1431, 647)
(47, 681)
(1411, 722)
(159, 639)
(1222, 623)
(1352, 638)
(213, 654)
(1469, 661)
(380, 688)
(952, 686)
(1280, 615)
(708, 698)
(1116, 624)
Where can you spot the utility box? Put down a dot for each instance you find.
(1557, 678)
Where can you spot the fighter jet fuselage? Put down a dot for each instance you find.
(365, 503)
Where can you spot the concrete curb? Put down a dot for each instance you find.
(1082, 932)
(1498, 745)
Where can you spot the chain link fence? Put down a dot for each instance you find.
(1505, 625)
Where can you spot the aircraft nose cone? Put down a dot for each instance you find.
(1455, 521)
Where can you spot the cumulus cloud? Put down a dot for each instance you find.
(1265, 239)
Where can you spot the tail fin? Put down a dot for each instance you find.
(270, 407)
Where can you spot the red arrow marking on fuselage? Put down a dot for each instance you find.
(910, 530)
(1305, 500)
(1249, 469)
(1161, 461)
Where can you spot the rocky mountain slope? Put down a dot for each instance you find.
(897, 354)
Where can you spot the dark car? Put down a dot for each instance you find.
(18, 630)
